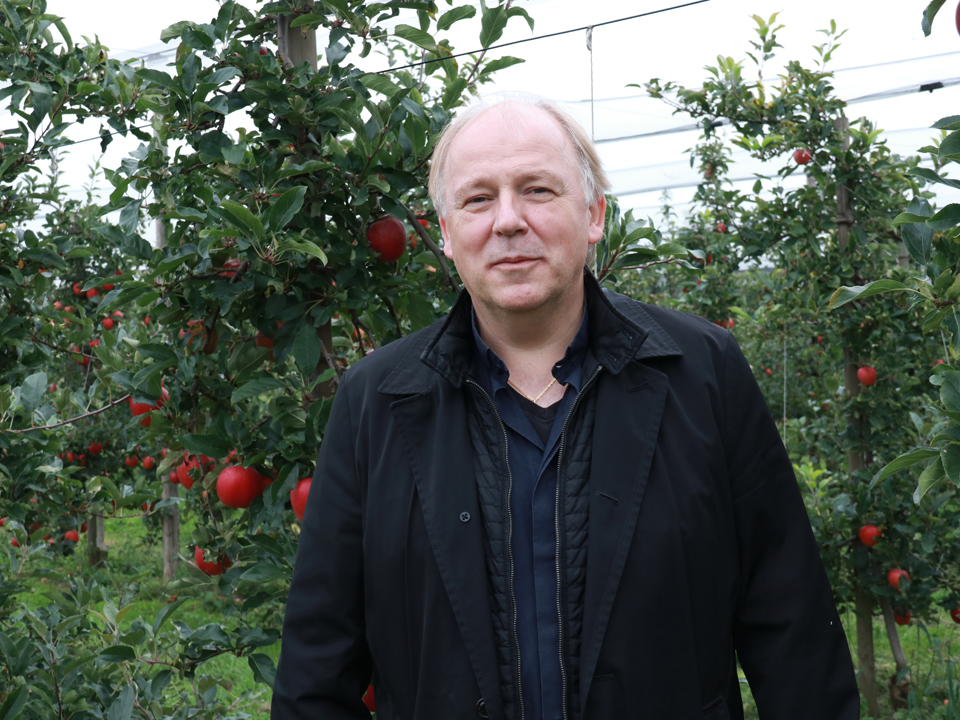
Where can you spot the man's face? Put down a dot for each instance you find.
(517, 225)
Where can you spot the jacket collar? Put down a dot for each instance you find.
(620, 331)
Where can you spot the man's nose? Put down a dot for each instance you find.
(509, 218)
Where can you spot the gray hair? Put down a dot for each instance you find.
(593, 178)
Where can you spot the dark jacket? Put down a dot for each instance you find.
(698, 542)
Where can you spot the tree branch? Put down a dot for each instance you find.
(428, 241)
(71, 420)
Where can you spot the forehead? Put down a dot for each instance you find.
(510, 134)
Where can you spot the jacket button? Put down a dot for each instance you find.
(482, 709)
(464, 517)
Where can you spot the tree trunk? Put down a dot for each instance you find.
(171, 533)
(865, 656)
(898, 690)
(96, 547)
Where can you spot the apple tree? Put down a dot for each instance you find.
(286, 192)
(840, 382)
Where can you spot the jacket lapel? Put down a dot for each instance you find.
(629, 410)
(434, 427)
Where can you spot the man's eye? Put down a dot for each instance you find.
(476, 200)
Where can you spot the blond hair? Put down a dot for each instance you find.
(593, 178)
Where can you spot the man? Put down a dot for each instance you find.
(557, 502)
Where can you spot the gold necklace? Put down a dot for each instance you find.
(533, 400)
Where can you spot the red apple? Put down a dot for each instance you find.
(298, 496)
(386, 237)
(132, 461)
(894, 577)
(83, 527)
(77, 288)
(369, 700)
(867, 375)
(238, 486)
(232, 264)
(869, 534)
(95, 448)
(802, 156)
(263, 51)
(955, 614)
(92, 293)
(901, 619)
(721, 228)
(15, 543)
(72, 535)
(210, 568)
(107, 323)
(149, 463)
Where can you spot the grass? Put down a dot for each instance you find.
(134, 553)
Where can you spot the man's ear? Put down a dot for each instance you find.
(447, 245)
(598, 215)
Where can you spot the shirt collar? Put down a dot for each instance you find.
(565, 371)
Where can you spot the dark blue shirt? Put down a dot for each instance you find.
(533, 511)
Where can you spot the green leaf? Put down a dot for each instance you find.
(946, 218)
(12, 707)
(950, 391)
(380, 84)
(263, 669)
(122, 707)
(420, 310)
(307, 19)
(492, 26)
(243, 219)
(843, 295)
(285, 207)
(117, 653)
(909, 218)
(515, 11)
(501, 63)
(174, 30)
(158, 77)
(455, 15)
(950, 456)
(929, 479)
(307, 350)
(31, 393)
(932, 176)
(901, 462)
(254, 388)
(213, 446)
(947, 123)
(306, 247)
(927, 23)
(264, 572)
(416, 36)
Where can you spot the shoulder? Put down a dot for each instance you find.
(692, 334)
(372, 370)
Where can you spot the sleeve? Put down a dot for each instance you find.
(325, 664)
(786, 628)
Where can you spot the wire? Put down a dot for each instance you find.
(544, 37)
(883, 95)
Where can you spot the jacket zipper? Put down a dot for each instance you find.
(513, 599)
(556, 518)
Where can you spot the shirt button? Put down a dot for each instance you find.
(482, 709)
(464, 517)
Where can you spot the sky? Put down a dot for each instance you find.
(884, 49)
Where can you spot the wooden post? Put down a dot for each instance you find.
(297, 45)
(865, 656)
(96, 547)
(170, 523)
(169, 516)
(856, 460)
